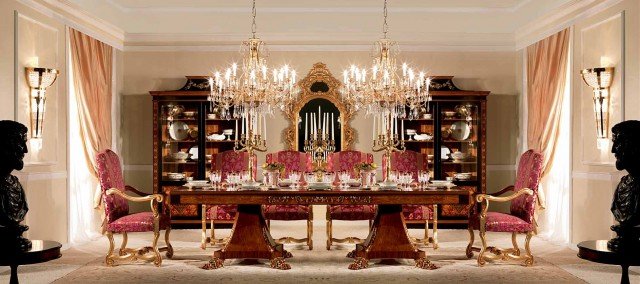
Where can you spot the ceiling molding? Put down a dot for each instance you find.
(559, 19)
(79, 19)
(318, 9)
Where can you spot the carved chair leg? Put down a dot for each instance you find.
(169, 252)
(154, 246)
(435, 226)
(470, 245)
(529, 260)
(425, 241)
(109, 260)
(123, 246)
(481, 260)
(370, 224)
(310, 233)
(514, 241)
(212, 239)
(329, 234)
(203, 241)
(269, 225)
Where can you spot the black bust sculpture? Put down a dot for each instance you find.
(13, 203)
(626, 199)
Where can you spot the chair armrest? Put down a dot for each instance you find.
(486, 198)
(503, 191)
(134, 190)
(154, 199)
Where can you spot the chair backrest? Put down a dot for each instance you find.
(346, 160)
(292, 160)
(406, 161)
(528, 176)
(231, 161)
(110, 176)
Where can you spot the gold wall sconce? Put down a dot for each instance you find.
(600, 80)
(39, 79)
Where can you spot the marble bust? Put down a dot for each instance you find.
(13, 203)
(626, 199)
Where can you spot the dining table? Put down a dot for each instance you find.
(388, 236)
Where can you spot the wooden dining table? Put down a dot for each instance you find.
(388, 236)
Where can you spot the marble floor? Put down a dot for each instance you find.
(85, 263)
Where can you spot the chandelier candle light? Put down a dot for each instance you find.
(320, 144)
(600, 80)
(251, 91)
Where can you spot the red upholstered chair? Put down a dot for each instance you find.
(345, 161)
(120, 221)
(226, 162)
(414, 162)
(519, 220)
(293, 161)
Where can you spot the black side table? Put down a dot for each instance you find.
(41, 251)
(597, 251)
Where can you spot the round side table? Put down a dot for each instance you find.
(41, 251)
(597, 251)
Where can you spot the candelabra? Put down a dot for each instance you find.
(319, 147)
(251, 140)
(388, 139)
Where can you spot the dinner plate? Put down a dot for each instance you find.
(460, 130)
(444, 152)
(178, 130)
(194, 153)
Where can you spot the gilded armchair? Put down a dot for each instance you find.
(120, 221)
(414, 162)
(226, 162)
(519, 221)
(345, 161)
(293, 161)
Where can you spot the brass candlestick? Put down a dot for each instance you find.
(319, 147)
(388, 143)
(250, 142)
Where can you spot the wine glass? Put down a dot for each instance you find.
(215, 177)
(344, 178)
(294, 177)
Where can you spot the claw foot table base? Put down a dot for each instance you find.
(388, 239)
(250, 239)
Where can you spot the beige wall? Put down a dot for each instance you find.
(609, 38)
(493, 71)
(44, 177)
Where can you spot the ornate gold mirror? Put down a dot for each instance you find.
(319, 89)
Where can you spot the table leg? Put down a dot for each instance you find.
(14, 275)
(625, 275)
(388, 238)
(250, 239)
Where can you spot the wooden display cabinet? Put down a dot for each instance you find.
(457, 122)
(179, 118)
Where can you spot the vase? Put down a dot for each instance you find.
(367, 178)
(271, 178)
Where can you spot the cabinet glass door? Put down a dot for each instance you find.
(459, 131)
(178, 123)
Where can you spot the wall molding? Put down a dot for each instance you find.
(598, 176)
(36, 176)
(559, 19)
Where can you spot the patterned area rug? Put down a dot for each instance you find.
(85, 264)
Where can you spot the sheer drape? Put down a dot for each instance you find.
(547, 63)
(92, 65)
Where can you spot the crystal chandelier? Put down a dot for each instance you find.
(253, 88)
(384, 88)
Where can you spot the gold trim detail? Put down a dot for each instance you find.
(296, 199)
(319, 73)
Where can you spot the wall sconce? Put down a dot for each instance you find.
(39, 80)
(600, 80)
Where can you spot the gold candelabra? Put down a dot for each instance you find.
(388, 139)
(320, 145)
(250, 141)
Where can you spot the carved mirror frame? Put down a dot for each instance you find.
(320, 73)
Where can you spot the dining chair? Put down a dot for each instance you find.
(226, 162)
(120, 221)
(414, 162)
(345, 161)
(299, 162)
(520, 220)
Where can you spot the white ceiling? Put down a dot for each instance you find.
(330, 22)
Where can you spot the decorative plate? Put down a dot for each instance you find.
(194, 153)
(460, 130)
(444, 152)
(178, 130)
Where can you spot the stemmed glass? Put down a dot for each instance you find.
(329, 177)
(344, 177)
(232, 180)
(423, 179)
(215, 177)
(294, 177)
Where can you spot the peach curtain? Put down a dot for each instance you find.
(92, 71)
(546, 74)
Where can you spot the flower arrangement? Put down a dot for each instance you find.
(365, 166)
(273, 167)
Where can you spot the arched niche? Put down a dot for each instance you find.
(319, 88)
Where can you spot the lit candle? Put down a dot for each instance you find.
(236, 132)
(235, 68)
(242, 122)
(264, 127)
(402, 129)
